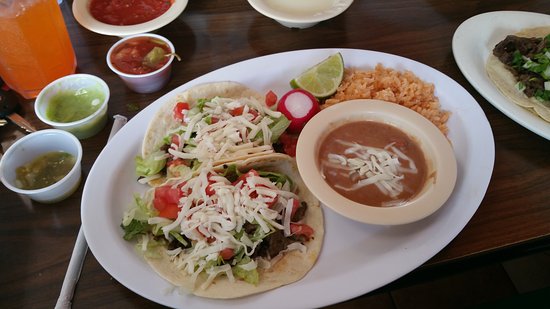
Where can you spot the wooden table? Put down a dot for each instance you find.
(513, 219)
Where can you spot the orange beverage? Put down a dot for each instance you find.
(35, 47)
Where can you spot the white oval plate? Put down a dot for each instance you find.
(473, 42)
(356, 258)
(82, 15)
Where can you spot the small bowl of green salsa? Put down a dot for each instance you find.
(44, 165)
(75, 103)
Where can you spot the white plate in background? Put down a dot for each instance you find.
(473, 42)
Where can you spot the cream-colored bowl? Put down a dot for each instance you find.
(30, 147)
(435, 146)
(300, 13)
(82, 14)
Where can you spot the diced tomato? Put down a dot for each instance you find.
(295, 206)
(289, 142)
(272, 202)
(170, 211)
(168, 194)
(270, 98)
(174, 139)
(214, 120)
(254, 113)
(166, 201)
(227, 253)
(269, 203)
(243, 177)
(209, 190)
(237, 111)
(300, 229)
(178, 110)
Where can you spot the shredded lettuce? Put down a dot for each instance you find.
(148, 245)
(179, 238)
(135, 228)
(149, 166)
(277, 127)
(277, 178)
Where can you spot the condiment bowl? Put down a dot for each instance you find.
(91, 90)
(438, 153)
(30, 147)
(300, 14)
(148, 82)
(81, 12)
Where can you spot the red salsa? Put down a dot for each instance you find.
(140, 55)
(128, 12)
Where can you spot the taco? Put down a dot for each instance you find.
(520, 68)
(230, 231)
(214, 122)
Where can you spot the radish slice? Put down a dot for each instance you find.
(298, 106)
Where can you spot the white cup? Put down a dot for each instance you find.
(149, 82)
(82, 128)
(30, 147)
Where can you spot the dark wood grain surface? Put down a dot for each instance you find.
(36, 240)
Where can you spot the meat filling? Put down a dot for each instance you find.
(507, 52)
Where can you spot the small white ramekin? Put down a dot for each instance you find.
(82, 128)
(33, 145)
(149, 82)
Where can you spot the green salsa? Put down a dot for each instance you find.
(68, 106)
(44, 170)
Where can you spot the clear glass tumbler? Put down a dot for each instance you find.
(35, 47)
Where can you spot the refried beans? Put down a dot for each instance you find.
(372, 163)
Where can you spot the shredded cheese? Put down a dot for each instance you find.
(216, 133)
(374, 166)
(213, 213)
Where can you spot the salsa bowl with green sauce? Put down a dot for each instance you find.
(44, 165)
(75, 103)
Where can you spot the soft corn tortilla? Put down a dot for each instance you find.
(506, 82)
(290, 268)
(163, 120)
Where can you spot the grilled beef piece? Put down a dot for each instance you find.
(272, 245)
(300, 212)
(528, 47)
(176, 244)
(249, 228)
(165, 147)
(531, 81)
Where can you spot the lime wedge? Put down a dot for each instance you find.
(323, 79)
